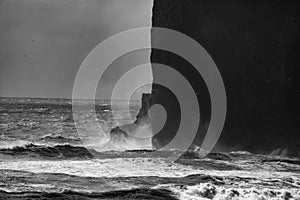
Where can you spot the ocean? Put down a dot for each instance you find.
(42, 156)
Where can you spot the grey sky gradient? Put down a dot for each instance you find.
(43, 42)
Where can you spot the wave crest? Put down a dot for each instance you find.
(44, 151)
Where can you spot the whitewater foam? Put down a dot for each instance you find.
(210, 191)
(126, 167)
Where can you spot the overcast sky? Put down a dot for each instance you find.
(43, 42)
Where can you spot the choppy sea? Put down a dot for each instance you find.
(42, 156)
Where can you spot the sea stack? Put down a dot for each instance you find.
(137, 135)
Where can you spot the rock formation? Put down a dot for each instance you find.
(136, 135)
(256, 46)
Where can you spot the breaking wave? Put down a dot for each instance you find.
(211, 191)
(45, 151)
(59, 139)
(140, 193)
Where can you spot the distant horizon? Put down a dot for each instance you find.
(63, 98)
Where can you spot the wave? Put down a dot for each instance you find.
(59, 139)
(140, 193)
(212, 191)
(129, 137)
(6, 143)
(191, 187)
(44, 151)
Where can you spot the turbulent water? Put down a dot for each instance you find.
(42, 156)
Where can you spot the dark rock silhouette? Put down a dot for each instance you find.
(136, 135)
(256, 46)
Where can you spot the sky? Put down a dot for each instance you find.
(43, 42)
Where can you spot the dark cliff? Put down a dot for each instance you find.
(256, 46)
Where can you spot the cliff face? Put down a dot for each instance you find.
(256, 46)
